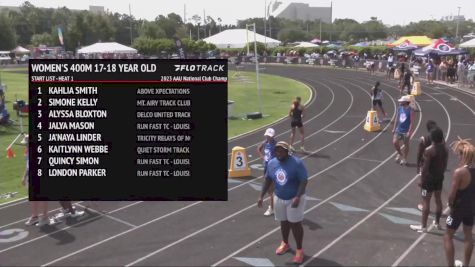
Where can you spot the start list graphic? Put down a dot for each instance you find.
(128, 129)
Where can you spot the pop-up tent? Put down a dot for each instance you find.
(439, 48)
(112, 47)
(417, 40)
(238, 38)
(405, 46)
(468, 44)
(20, 50)
(306, 44)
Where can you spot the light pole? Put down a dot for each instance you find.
(259, 90)
(457, 29)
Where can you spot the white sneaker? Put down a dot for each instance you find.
(269, 211)
(403, 162)
(418, 228)
(397, 158)
(77, 213)
(437, 225)
(46, 221)
(32, 221)
(458, 263)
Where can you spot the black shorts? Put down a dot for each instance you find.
(454, 220)
(296, 123)
(431, 186)
(377, 102)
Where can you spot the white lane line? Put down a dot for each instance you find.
(413, 245)
(324, 201)
(65, 228)
(306, 122)
(117, 235)
(321, 129)
(384, 204)
(370, 160)
(184, 208)
(111, 217)
(13, 203)
(320, 149)
(21, 220)
(312, 99)
(216, 223)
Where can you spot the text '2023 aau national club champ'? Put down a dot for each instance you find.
(128, 129)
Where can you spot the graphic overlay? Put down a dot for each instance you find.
(128, 129)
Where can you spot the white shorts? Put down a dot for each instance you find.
(283, 210)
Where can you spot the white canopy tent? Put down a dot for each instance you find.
(468, 44)
(238, 38)
(20, 50)
(111, 47)
(306, 44)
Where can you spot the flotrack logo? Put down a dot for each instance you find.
(199, 67)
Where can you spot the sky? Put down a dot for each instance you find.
(392, 12)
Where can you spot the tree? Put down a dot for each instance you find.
(7, 34)
(43, 39)
(152, 30)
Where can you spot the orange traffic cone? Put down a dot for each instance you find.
(10, 153)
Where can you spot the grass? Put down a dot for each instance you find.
(11, 170)
(277, 95)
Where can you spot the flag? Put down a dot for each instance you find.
(60, 36)
(10, 153)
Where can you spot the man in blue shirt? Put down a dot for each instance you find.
(403, 129)
(289, 176)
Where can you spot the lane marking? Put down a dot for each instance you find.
(370, 160)
(386, 202)
(65, 228)
(327, 199)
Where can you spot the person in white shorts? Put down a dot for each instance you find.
(289, 176)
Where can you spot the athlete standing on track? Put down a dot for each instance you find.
(267, 152)
(461, 201)
(377, 96)
(296, 115)
(289, 175)
(432, 178)
(402, 129)
(424, 142)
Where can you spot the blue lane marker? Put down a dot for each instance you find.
(399, 220)
(343, 207)
(309, 198)
(407, 210)
(256, 261)
(257, 187)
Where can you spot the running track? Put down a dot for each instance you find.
(360, 207)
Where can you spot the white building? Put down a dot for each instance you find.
(300, 11)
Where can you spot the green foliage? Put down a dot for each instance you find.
(43, 39)
(83, 28)
(292, 35)
(7, 35)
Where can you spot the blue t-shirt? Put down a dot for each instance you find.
(286, 176)
(269, 151)
(403, 120)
